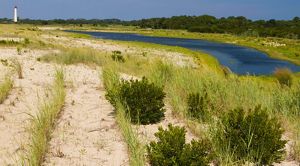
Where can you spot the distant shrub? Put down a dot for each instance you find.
(198, 106)
(144, 54)
(9, 42)
(19, 50)
(284, 76)
(251, 136)
(144, 101)
(117, 56)
(26, 41)
(171, 149)
(297, 54)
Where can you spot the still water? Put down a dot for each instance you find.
(241, 60)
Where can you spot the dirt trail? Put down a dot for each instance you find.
(87, 133)
(22, 101)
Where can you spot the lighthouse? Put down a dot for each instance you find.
(16, 14)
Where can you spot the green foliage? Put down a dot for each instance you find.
(144, 101)
(198, 106)
(9, 42)
(75, 56)
(117, 56)
(144, 54)
(233, 25)
(284, 76)
(250, 136)
(112, 86)
(26, 41)
(19, 50)
(171, 149)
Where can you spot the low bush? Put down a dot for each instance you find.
(144, 101)
(117, 56)
(198, 106)
(171, 149)
(26, 41)
(284, 76)
(251, 136)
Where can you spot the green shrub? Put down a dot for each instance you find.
(117, 56)
(19, 50)
(26, 41)
(251, 136)
(284, 76)
(171, 149)
(144, 101)
(198, 106)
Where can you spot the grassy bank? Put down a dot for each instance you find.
(5, 88)
(43, 123)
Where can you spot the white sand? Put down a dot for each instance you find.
(23, 100)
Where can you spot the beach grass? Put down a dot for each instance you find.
(43, 123)
(5, 87)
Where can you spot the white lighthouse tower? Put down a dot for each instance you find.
(16, 14)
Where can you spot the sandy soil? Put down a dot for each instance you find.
(23, 100)
(87, 133)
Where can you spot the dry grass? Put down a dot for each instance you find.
(17, 66)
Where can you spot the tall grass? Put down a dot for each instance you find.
(43, 123)
(136, 149)
(75, 56)
(5, 88)
(227, 93)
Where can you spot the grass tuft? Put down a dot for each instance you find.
(5, 88)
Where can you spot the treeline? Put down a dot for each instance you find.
(95, 22)
(204, 24)
(233, 25)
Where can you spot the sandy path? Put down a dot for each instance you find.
(87, 133)
(23, 100)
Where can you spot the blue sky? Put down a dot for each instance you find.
(136, 9)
